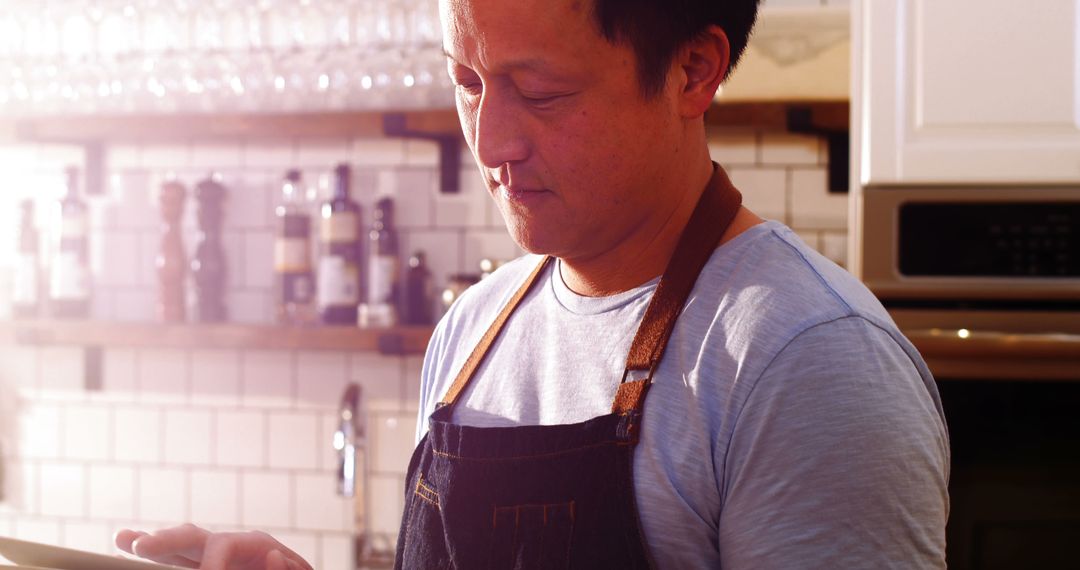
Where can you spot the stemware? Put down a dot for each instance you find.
(219, 55)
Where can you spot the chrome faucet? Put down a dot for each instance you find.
(348, 438)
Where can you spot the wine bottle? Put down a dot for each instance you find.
(383, 264)
(419, 292)
(26, 294)
(69, 280)
(339, 261)
(293, 279)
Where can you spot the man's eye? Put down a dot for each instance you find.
(540, 100)
(473, 88)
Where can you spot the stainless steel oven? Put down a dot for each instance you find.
(986, 282)
(988, 259)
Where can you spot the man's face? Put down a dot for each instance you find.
(553, 113)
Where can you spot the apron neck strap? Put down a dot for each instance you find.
(713, 214)
(480, 351)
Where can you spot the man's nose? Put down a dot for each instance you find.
(498, 136)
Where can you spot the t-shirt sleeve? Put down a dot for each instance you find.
(838, 459)
(428, 379)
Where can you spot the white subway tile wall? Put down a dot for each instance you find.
(63, 489)
(241, 439)
(90, 536)
(87, 432)
(292, 439)
(258, 512)
(112, 491)
(215, 496)
(215, 377)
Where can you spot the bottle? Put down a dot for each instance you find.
(26, 296)
(293, 280)
(208, 266)
(69, 281)
(418, 293)
(339, 260)
(455, 286)
(172, 263)
(383, 265)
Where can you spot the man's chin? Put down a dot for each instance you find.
(536, 241)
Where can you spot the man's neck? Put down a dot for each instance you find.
(643, 255)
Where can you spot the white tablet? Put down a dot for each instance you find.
(36, 556)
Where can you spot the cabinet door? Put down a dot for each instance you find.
(968, 91)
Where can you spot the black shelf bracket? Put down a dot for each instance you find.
(801, 120)
(394, 125)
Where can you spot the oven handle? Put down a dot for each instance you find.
(994, 344)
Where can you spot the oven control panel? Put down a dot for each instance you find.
(1000, 239)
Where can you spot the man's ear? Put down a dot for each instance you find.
(702, 65)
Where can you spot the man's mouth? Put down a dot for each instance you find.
(519, 193)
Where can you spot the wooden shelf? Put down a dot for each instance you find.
(84, 129)
(395, 340)
(773, 115)
(80, 129)
(982, 356)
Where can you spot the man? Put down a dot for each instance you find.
(680, 384)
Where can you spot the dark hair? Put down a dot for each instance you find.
(657, 29)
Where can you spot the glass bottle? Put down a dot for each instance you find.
(455, 286)
(293, 279)
(69, 280)
(339, 260)
(419, 292)
(383, 263)
(26, 296)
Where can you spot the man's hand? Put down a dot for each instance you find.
(189, 546)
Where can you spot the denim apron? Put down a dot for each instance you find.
(550, 496)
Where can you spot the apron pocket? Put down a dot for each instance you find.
(426, 492)
(526, 537)
(421, 542)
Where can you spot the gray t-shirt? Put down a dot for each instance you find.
(790, 424)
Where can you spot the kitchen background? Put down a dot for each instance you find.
(242, 438)
(236, 438)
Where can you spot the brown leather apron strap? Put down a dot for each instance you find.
(712, 216)
(477, 357)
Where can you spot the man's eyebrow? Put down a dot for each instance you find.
(528, 64)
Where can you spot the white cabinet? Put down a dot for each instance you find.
(967, 91)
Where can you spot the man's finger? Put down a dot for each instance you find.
(221, 551)
(124, 537)
(186, 541)
(275, 560)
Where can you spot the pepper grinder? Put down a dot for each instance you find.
(208, 265)
(171, 259)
